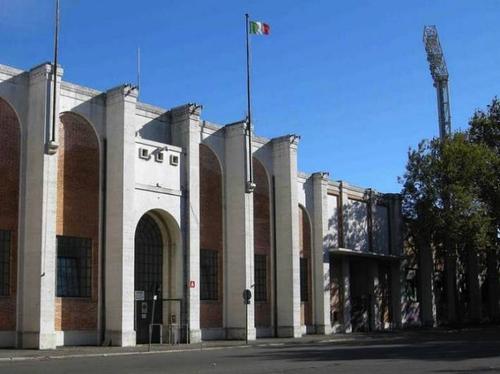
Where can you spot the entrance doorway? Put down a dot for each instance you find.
(360, 295)
(148, 278)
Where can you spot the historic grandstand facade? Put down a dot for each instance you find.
(122, 201)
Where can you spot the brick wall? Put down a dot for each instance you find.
(78, 211)
(9, 203)
(211, 314)
(262, 238)
(305, 252)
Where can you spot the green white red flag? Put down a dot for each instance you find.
(259, 28)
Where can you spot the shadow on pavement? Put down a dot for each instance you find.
(453, 346)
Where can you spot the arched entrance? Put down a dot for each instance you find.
(149, 245)
(305, 268)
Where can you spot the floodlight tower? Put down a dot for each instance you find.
(439, 72)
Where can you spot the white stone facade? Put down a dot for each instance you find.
(150, 164)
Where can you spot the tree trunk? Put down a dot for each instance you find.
(473, 286)
(425, 284)
(450, 267)
(493, 285)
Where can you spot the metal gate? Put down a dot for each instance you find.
(148, 278)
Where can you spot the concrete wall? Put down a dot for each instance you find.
(332, 236)
(159, 168)
(381, 243)
(356, 216)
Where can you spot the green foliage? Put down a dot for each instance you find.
(485, 130)
(451, 188)
(485, 127)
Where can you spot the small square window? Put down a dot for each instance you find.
(174, 160)
(144, 153)
(159, 156)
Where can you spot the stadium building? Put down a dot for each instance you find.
(123, 210)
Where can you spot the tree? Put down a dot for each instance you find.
(485, 130)
(446, 211)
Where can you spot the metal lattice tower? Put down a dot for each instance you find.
(439, 72)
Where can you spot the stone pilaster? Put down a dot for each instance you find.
(239, 249)
(185, 121)
(396, 249)
(395, 294)
(120, 225)
(37, 246)
(493, 278)
(346, 294)
(473, 285)
(450, 268)
(344, 219)
(287, 235)
(371, 207)
(321, 254)
(375, 296)
(395, 224)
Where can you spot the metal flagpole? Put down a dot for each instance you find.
(54, 82)
(250, 183)
(139, 68)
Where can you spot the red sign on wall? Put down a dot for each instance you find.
(192, 284)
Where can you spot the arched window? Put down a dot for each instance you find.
(262, 246)
(9, 213)
(77, 224)
(211, 239)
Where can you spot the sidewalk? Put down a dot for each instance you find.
(362, 338)
(9, 354)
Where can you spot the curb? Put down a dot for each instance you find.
(113, 354)
(194, 349)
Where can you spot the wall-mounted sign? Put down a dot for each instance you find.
(192, 284)
(247, 295)
(139, 295)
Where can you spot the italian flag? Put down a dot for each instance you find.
(259, 28)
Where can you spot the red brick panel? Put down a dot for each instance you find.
(262, 238)
(211, 314)
(305, 252)
(78, 211)
(9, 203)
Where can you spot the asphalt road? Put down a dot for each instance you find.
(443, 352)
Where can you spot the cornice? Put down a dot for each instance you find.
(190, 110)
(154, 111)
(44, 72)
(125, 92)
(8, 70)
(80, 90)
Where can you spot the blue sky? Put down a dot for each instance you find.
(350, 77)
